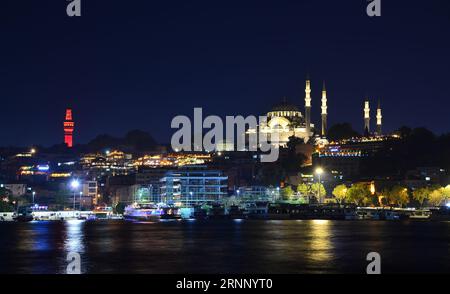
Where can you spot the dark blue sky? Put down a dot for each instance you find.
(136, 64)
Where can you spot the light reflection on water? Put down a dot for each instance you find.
(321, 245)
(74, 241)
(238, 246)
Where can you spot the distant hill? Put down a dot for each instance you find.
(134, 142)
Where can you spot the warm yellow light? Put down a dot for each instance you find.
(319, 171)
(32, 151)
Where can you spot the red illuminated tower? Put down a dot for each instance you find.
(69, 126)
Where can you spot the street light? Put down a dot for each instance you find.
(81, 195)
(75, 184)
(34, 193)
(319, 172)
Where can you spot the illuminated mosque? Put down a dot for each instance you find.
(286, 120)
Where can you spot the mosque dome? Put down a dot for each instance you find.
(284, 105)
(285, 109)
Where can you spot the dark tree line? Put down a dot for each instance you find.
(417, 147)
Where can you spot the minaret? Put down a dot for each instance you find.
(366, 118)
(324, 110)
(379, 119)
(308, 108)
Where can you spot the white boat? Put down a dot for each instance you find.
(7, 216)
(103, 212)
(420, 214)
(143, 212)
(56, 215)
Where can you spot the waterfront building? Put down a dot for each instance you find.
(126, 194)
(347, 159)
(191, 187)
(258, 193)
(148, 179)
(110, 163)
(172, 160)
(90, 195)
(16, 189)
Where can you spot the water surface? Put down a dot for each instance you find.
(225, 246)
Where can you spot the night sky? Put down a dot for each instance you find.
(136, 64)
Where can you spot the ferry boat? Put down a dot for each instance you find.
(7, 216)
(369, 213)
(171, 213)
(420, 214)
(59, 215)
(143, 212)
(103, 213)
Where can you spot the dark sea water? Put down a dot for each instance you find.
(225, 247)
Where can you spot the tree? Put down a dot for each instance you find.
(287, 193)
(421, 195)
(6, 201)
(404, 131)
(340, 193)
(290, 160)
(270, 174)
(304, 189)
(341, 131)
(437, 197)
(402, 196)
(446, 192)
(382, 200)
(318, 188)
(397, 196)
(359, 194)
